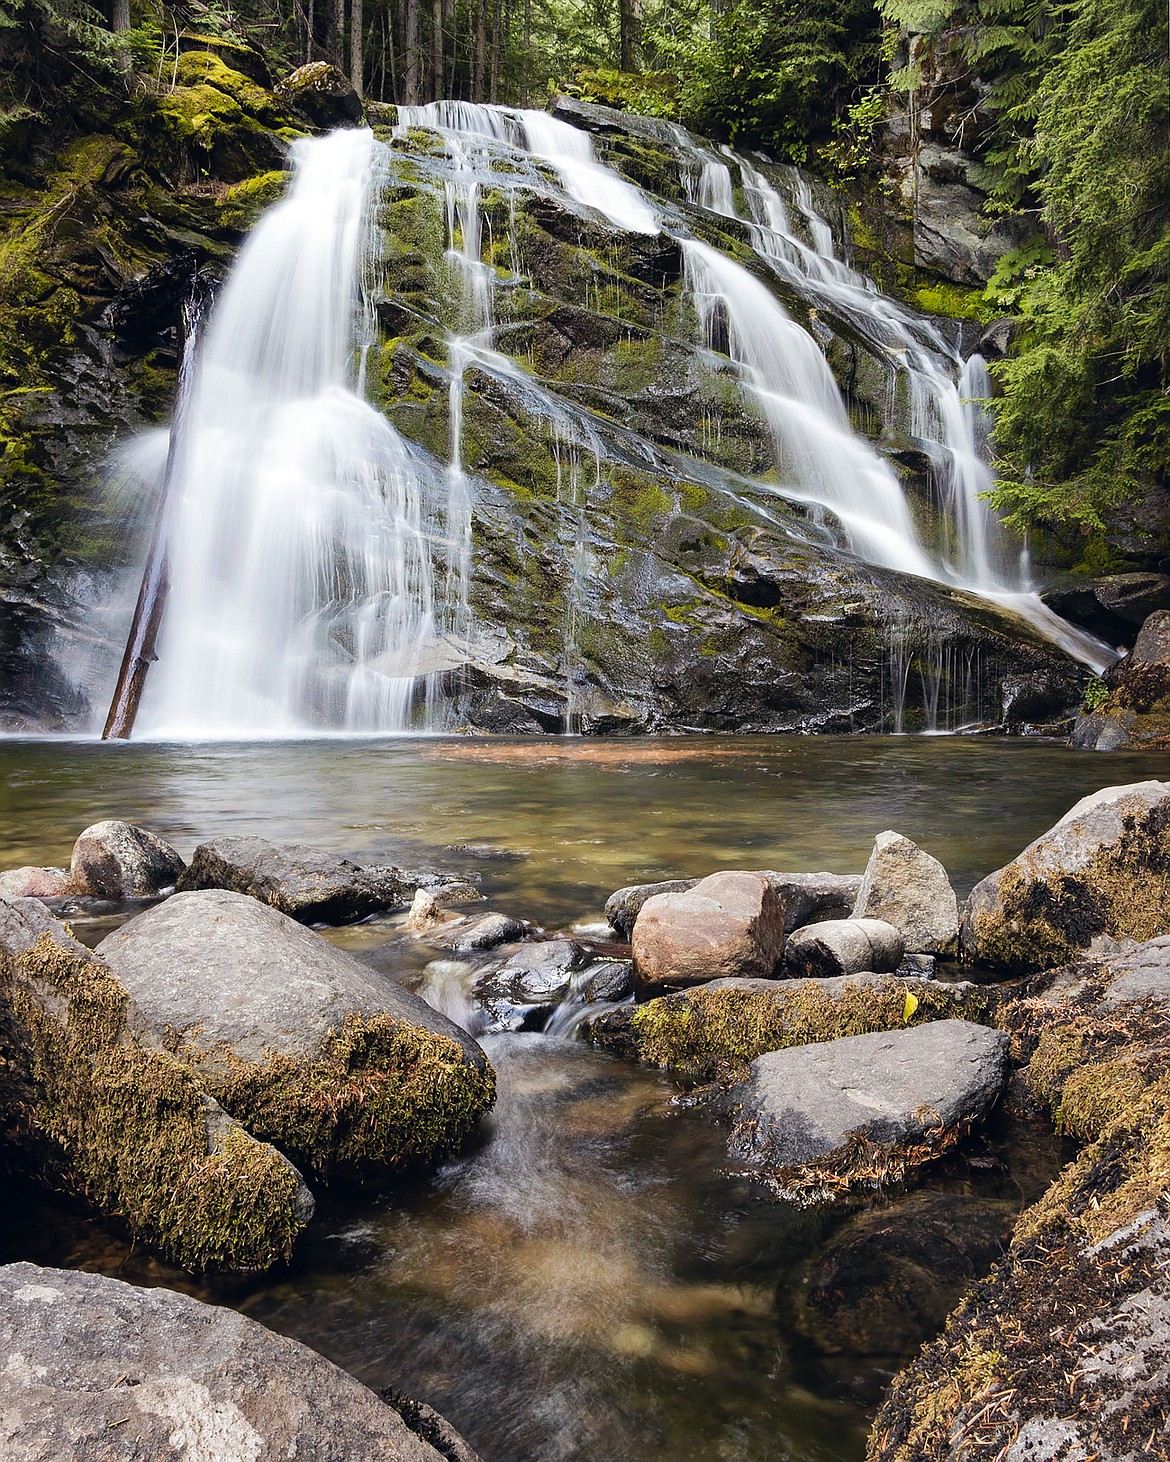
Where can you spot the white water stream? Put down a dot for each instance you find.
(317, 562)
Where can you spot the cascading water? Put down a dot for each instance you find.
(302, 585)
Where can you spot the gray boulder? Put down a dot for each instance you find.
(96, 1104)
(909, 889)
(488, 932)
(320, 95)
(807, 897)
(843, 947)
(1141, 973)
(116, 860)
(308, 884)
(1103, 872)
(34, 883)
(99, 1370)
(862, 1106)
(351, 1074)
(727, 926)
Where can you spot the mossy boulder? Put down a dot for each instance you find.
(99, 1368)
(220, 121)
(321, 95)
(717, 1030)
(1064, 1350)
(351, 1075)
(95, 1106)
(1135, 708)
(1102, 872)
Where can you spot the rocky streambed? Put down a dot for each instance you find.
(778, 1171)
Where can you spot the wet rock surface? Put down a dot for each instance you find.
(1135, 711)
(842, 1113)
(348, 1072)
(1103, 872)
(909, 889)
(95, 1104)
(116, 860)
(486, 933)
(730, 925)
(98, 1369)
(309, 884)
(844, 947)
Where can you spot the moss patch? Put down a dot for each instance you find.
(131, 1130)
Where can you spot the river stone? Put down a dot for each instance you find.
(486, 933)
(807, 897)
(116, 860)
(907, 1093)
(99, 1369)
(1141, 973)
(309, 884)
(844, 947)
(728, 925)
(1103, 870)
(539, 973)
(909, 889)
(99, 1107)
(351, 1074)
(34, 883)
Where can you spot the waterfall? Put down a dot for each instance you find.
(302, 586)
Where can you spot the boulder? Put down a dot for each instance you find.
(34, 883)
(1141, 973)
(97, 1106)
(607, 979)
(424, 914)
(910, 890)
(844, 947)
(1112, 607)
(1136, 711)
(850, 1112)
(488, 932)
(807, 897)
(99, 1369)
(1102, 871)
(715, 1030)
(520, 994)
(730, 925)
(116, 860)
(309, 884)
(320, 95)
(351, 1074)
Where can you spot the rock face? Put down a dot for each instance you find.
(1136, 711)
(116, 860)
(1113, 607)
(844, 1113)
(730, 925)
(1103, 870)
(306, 883)
(98, 1369)
(908, 888)
(352, 1075)
(98, 1107)
(1142, 973)
(34, 883)
(720, 1028)
(844, 947)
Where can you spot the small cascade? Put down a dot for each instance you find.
(301, 579)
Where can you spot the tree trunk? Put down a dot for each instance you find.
(494, 83)
(630, 34)
(337, 35)
(411, 88)
(356, 47)
(524, 63)
(437, 48)
(478, 87)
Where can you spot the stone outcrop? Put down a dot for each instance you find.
(309, 884)
(728, 926)
(1103, 872)
(353, 1076)
(116, 860)
(1136, 709)
(844, 947)
(719, 1029)
(823, 1118)
(908, 888)
(97, 1106)
(99, 1370)
(1113, 607)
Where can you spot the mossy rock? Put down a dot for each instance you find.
(715, 1031)
(351, 1075)
(99, 1109)
(221, 121)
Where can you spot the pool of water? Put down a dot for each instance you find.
(588, 1282)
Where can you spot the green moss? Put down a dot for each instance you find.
(937, 297)
(246, 201)
(129, 1129)
(380, 1096)
(708, 1032)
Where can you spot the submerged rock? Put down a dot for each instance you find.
(351, 1074)
(844, 947)
(309, 884)
(730, 925)
(97, 1107)
(722, 1027)
(116, 860)
(1102, 871)
(826, 1117)
(34, 883)
(101, 1369)
(908, 888)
